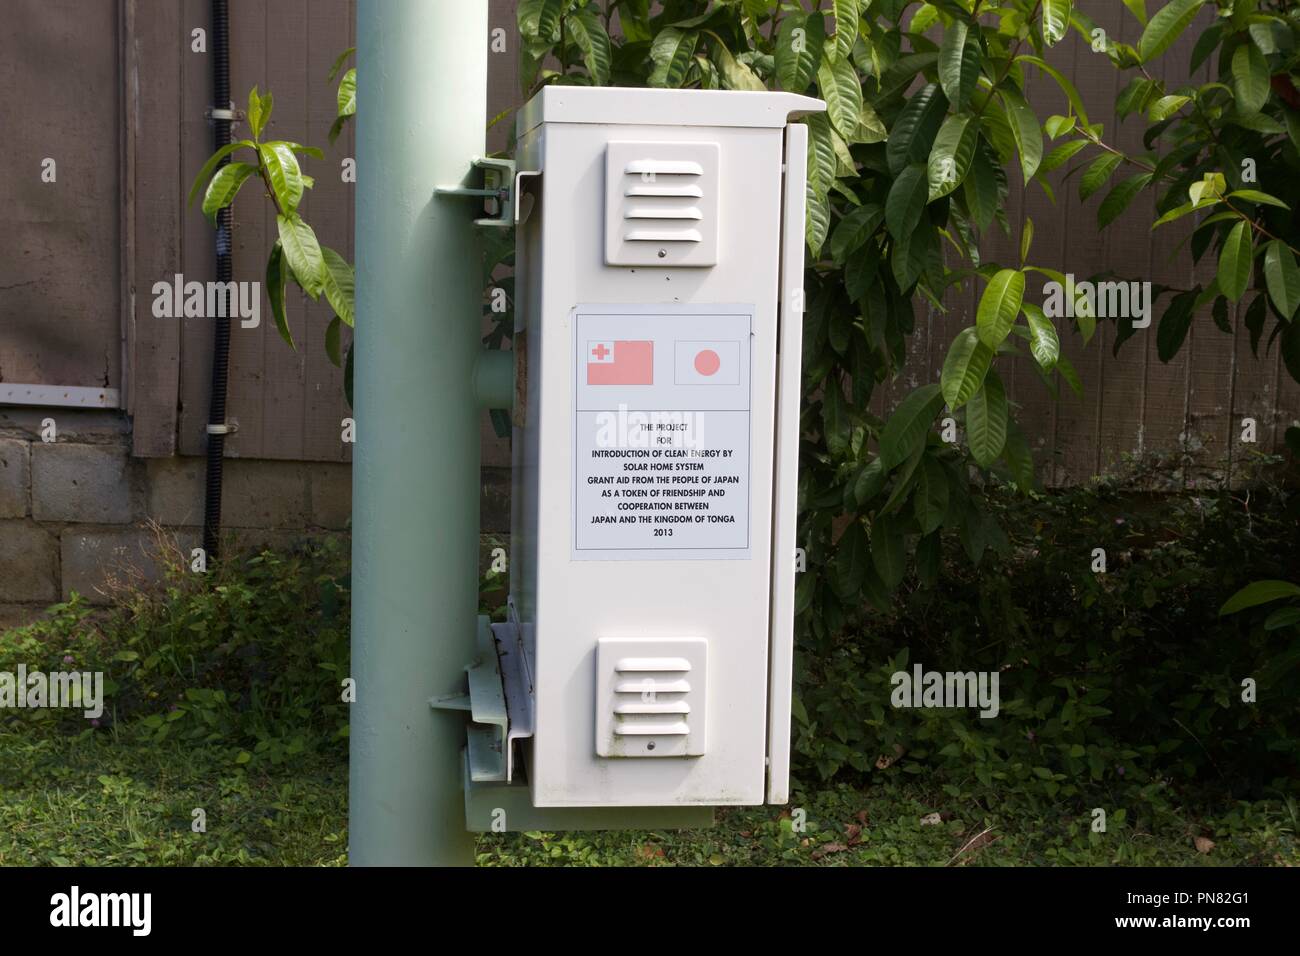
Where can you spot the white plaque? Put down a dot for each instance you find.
(661, 421)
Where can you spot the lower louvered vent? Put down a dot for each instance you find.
(650, 697)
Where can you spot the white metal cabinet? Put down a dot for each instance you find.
(659, 307)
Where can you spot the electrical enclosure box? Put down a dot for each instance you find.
(660, 253)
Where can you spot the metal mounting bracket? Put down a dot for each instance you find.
(486, 702)
(497, 192)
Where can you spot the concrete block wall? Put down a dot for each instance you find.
(78, 512)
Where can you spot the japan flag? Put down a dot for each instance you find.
(707, 363)
(620, 363)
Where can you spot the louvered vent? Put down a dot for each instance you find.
(661, 204)
(650, 698)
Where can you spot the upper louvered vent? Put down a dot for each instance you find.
(661, 204)
(650, 698)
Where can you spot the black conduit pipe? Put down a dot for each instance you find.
(225, 273)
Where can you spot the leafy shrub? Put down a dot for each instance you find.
(250, 655)
(1121, 684)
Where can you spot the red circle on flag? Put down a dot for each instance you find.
(707, 362)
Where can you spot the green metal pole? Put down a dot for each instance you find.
(420, 121)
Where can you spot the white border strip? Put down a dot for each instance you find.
(785, 486)
(59, 396)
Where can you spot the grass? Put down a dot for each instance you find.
(91, 800)
(95, 799)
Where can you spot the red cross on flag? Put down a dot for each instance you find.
(620, 363)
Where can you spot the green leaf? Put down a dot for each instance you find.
(911, 254)
(821, 153)
(930, 497)
(964, 368)
(870, 481)
(347, 95)
(926, 16)
(1258, 122)
(1118, 199)
(983, 196)
(1056, 20)
(302, 253)
(284, 173)
(929, 556)
(1044, 343)
(1290, 349)
(1055, 127)
(225, 187)
(845, 164)
(906, 428)
(1253, 320)
(1206, 44)
(1255, 196)
(906, 201)
(1068, 88)
(1166, 26)
(951, 155)
(1219, 312)
(986, 421)
(1165, 107)
(887, 550)
(1175, 323)
(256, 120)
(901, 73)
(854, 230)
(336, 128)
(1026, 240)
(1061, 155)
(1136, 97)
(798, 54)
(842, 90)
(1067, 372)
(852, 554)
(592, 40)
(818, 222)
(735, 74)
(313, 151)
(1176, 213)
(1235, 261)
(275, 278)
(913, 132)
(1250, 78)
(1095, 176)
(672, 51)
(338, 64)
(211, 165)
(1257, 593)
(870, 128)
(999, 307)
(1282, 277)
(959, 64)
(548, 18)
(339, 286)
(1019, 458)
(1139, 9)
(1025, 129)
(333, 331)
(846, 26)
(1282, 617)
